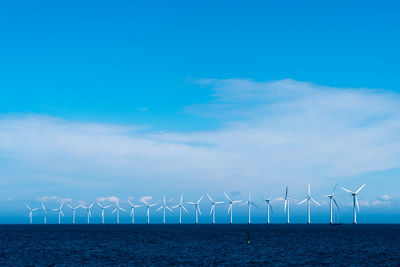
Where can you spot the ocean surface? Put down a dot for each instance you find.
(160, 245)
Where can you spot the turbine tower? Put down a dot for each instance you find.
(148, 206)
(117, 209)
(45, 213)
(355, 202)
(89, 214)
(213, 203)
(164, 206)
(286, 208)
(269, 207)
(133, 207)
(309, 199)
(196, 208)
(231, 203)
(332, 199)
(102, 211)
(180, 206)
(30, 212)
(73, 212)
(249, 203)
(59, 210)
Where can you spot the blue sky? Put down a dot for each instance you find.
(123, 99)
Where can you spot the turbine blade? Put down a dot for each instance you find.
(200, 199)
(358, 207)
(181, 199)
(29, 208)
(347, 190)
(122, 209)
(62, 213)
(174, 207)
(301, 202)
(359, 189)
(227, 196)
(334, 201)
(316, 202)
(229, 209)
(191, 203)
(130, 203)
(198, 208)
(168, 208)
(309, 189)
(131, 212)
(159, 208)
(219, 202)
(284, 209)
(183, 207)
(69, 206)
(106, 207)
(210, 198)
(286, 192)
(114, 210)
(212, 208)
(334, 189)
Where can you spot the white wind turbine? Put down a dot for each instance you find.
(249, 203)
(148, 206)
(89, 214)
(59, 211)
(133, 207)
(213, 203)
(164, 206)
(45, 214)
(30, 212)
(309, 199)
(355, 201)
(73, 212)
(332, 199)
(102, 210)
(269, 207)
(196, 208)
(231, 203)
(180, 206)
(117, 209)
(286, 208)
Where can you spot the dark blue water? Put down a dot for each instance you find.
(278, 245)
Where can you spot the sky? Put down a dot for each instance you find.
(124, 100)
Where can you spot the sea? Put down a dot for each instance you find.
(205, 245)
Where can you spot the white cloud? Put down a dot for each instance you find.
(385, 198)
(110, 199)
(147, 199)
(380, 203)
(53, 198)
(271, 134)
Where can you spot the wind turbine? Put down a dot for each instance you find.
(231, 203)
(59, 210)
(180, 206)
(286, 199)
(164, 206)
(30, 212)
(196, 208)
(133, 210)
(332, 199)
(89, 214)
(269, 207)
(249, 203)
(102, 210)
(73, 212)
(309, 199)
(45, 213)
(148, 206)
(213, 203)
(117, 209)
(355, 202)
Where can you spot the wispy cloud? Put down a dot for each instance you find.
(110, 199)
(271, 134)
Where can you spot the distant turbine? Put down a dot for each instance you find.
(73, 212)
(117, 209)
(30, 212)
(148, 206)
(249, 203)
(133, 207)
(231, 203)
(89, 214)
(164, 206)
(269, 207)
(59, 211)
(45, 213)
(286, 199)
(332, 199)
(196, 208)
(180, 206)
(102, 210)
(213, 203)
(308, 198)
(355, 202)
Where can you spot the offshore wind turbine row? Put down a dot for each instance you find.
(180, 206)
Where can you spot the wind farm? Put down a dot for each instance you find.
(164, 206)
